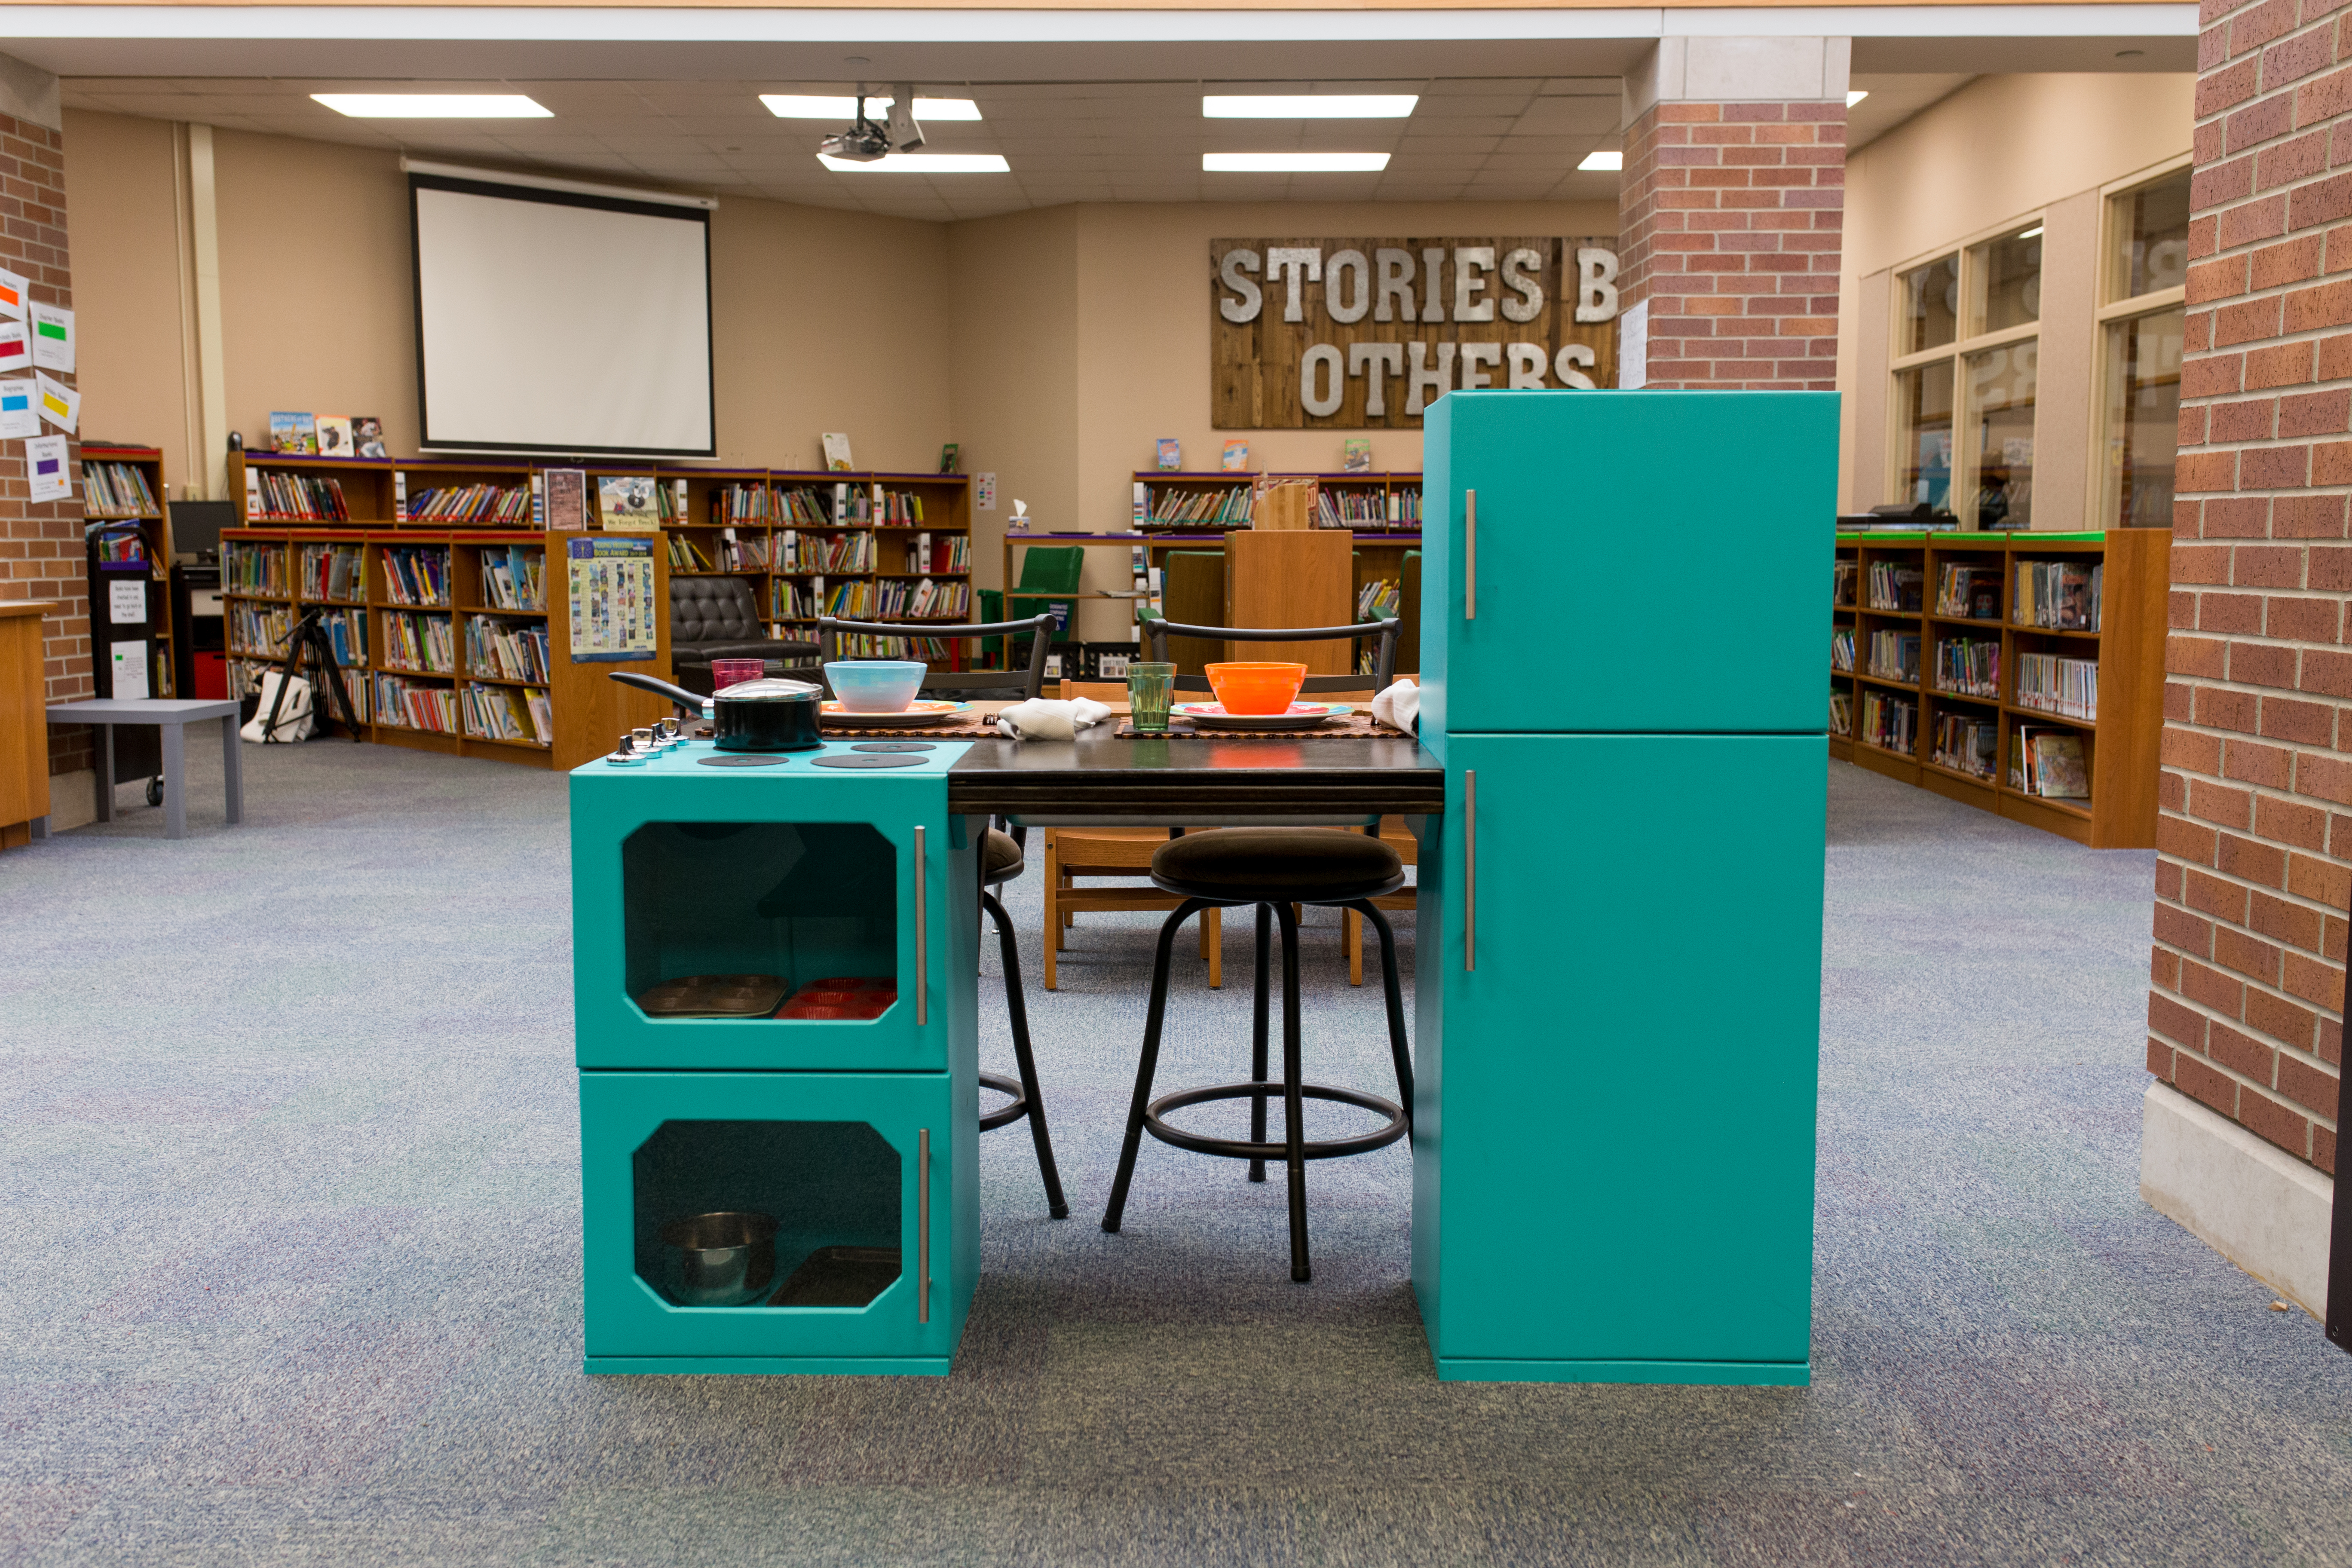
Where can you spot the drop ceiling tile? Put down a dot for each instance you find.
(1525, 164)
(1457, 145)
(1570, 116)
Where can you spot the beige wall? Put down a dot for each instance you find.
(122, 191)
(1997, 150)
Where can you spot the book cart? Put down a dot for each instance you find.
(1930, 692)
(129, 539)
(414, 562)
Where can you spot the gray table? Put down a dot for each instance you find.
(172, 716)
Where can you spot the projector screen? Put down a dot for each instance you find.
(551, 322)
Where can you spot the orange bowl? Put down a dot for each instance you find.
(1256, 688)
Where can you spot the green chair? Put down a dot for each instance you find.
(1049, 585)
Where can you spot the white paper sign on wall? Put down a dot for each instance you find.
(45, 468)
(18, 417)
(126, 602)
(15, 293)
(130, 671)
(983, 492)
(60, 404)
(15, 346)
(53, 337)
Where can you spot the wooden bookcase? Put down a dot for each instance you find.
(2120, 745)
(1164, 496)
(154, 530)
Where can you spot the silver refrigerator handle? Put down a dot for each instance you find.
(1469, 556)
(922, 937)
(1469, 868)
(923, 1226)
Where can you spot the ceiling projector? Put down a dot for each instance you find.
(866, 143)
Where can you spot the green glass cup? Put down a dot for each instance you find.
(1150, 688)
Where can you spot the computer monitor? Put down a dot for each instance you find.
(196, 527)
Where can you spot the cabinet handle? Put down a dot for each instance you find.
(922, 937)
(1470, 555)
(1469, 868)
(923, 1224)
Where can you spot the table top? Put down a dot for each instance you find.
(28, 606)
(142, 710)
(1101, 779)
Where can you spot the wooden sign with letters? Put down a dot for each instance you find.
(1359, 334)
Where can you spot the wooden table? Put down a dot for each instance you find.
(1099, 779)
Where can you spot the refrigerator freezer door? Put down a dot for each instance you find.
(1646, 562)
(1613, 1159)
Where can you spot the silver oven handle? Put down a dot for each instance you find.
(923, 1226)
(1469, 868)
(922, 936)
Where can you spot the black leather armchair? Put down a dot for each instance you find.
(717, 617)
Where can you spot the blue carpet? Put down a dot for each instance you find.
(288, 1182)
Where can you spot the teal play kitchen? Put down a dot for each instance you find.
(1618, 942)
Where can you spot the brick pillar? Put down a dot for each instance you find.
(1731, 208)
(41, 545)
(2256, 794)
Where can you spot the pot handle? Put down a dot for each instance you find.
(687, 702)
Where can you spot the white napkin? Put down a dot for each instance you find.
(1041, 719)
(1400, 707)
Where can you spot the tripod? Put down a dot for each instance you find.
(309, 637)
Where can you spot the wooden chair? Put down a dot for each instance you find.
(1121, 852)
(1398, 837)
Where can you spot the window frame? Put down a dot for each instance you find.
(1966, 455)
(2105, 476)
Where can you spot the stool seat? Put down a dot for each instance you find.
(1000, 856)
(1288, 865)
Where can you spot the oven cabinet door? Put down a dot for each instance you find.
(775, 1222)
(851, 902)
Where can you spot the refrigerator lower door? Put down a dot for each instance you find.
(1619, 1002)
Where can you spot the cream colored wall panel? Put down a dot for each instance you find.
(2064, 444)
(122, 212)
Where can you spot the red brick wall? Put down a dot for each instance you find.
(2256, 832)
(1730, 228)
(41, 552)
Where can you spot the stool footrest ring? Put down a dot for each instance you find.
(1003, 1115)
(1245, 1148)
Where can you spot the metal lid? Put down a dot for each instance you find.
(770, 688)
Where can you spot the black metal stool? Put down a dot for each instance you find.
(1272, 868)
(1001, 859)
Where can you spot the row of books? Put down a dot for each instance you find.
(119, 546)
(2059, 596)
(419, 642)
(334, 572)
(1967, 745)
(1895, 656)
(1970, 591)
(258, 629)
(923, 600)
(347, 630)
(307, 498)
(1890, 723)
(862, 647)
(494, 713)
(512, 650)
(501, 504)
(1362, 509)
(1841, 580)
(412, 705)
(1895, 586)
(1379, 599)
(1174, 509)
(1969, 666)
(515, 578)
(1842, 650)
(945, 552)
(247, 569)
(117, 490)
(723, 553)
(826, 552)
(2066, 686)
(1840, 711)
(2048, 762)
(416, 574)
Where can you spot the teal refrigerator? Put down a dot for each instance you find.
(1619, 965)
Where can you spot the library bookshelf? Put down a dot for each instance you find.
(1923, 694)
(130, 537)
(868, 545)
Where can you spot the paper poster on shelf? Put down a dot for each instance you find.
(15, 346)
(567, 500)
(53, 337)
(15, 293)
(45, 468)
(130, 671)
(614, 618)
(126, 602)
(18, 417)
(60, 405)
(626, 503)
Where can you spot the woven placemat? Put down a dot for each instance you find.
(1358, 726)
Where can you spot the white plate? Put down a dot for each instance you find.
(834, 716)
(1302, 716)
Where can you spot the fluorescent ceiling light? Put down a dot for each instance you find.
(1310, 106)
(1603, 161)
(922, 163)
(802, 105)
(434, 105)
(1856, 97)
(1293, 163)
(2030, 233)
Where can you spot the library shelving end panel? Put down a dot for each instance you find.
(592, 711)
(840, 1151)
